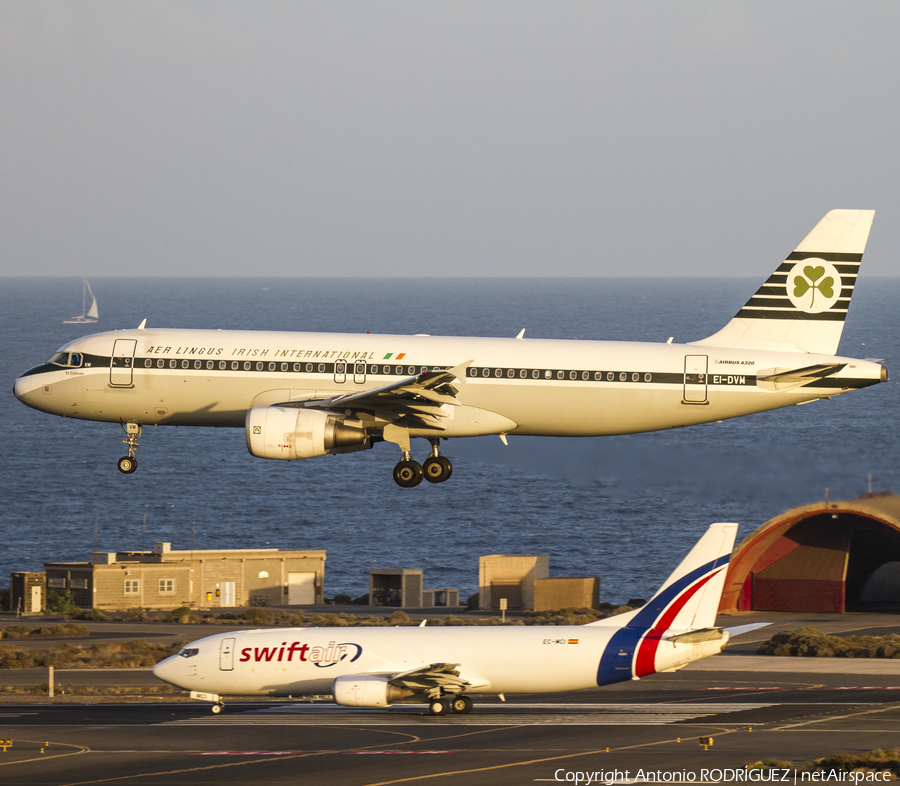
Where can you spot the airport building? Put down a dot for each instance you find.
(402, 587)
(828, 556)
(201, 579)
(27, 592)
(510, 577)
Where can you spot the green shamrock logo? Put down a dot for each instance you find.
(810, 281)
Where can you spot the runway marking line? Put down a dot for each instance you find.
(721, 732)
(45, 757)
(833, 716)
(236, 763)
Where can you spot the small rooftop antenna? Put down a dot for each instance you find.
(870, 481)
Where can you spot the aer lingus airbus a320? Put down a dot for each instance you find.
(301, 395)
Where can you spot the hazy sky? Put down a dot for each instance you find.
(441, 138)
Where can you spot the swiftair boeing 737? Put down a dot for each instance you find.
(375, 667)
(301, 395)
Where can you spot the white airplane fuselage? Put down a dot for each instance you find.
(375, 667)
(302, 395)
(520, 659)
(512, 386)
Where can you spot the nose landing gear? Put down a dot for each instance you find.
(128, 464)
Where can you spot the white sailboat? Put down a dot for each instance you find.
(87, 314)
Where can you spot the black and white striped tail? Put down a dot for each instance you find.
(803, 304)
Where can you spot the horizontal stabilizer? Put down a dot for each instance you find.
(696, 636)
(787, 378)
(739, 630)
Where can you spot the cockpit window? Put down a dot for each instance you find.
(67, 359)
(189, 652)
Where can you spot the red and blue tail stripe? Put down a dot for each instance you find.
(631, 651)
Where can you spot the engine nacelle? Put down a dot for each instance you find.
(296, 433)
(366, 690)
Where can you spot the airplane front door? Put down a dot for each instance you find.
(122, 362)
(226, 655)
(695, 379)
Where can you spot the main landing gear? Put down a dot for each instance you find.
(436, 469)
(444, 705)
(128, 464)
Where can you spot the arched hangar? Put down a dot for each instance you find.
(828, 556)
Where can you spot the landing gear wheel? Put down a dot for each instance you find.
(408, 473)
(437, 469)
(439, 707)
(217, 708)
(462, 705)
(127, 464)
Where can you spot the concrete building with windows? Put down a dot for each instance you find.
(201, 579)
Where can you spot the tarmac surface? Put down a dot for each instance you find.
(753, 708)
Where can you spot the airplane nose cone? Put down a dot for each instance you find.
(21, 388)
(167, 670)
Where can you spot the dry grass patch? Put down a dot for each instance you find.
(812, 643)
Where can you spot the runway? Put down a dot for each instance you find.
(648, 727)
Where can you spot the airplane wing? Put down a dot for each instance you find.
(432, 679)
(416, 400)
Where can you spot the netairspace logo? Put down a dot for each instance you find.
(722, 775)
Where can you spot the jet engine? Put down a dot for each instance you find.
(366, 690)
(297, 433)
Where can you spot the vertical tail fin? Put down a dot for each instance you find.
(803, 304)
(687, 601)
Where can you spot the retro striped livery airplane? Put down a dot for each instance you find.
(301, 395)
(444, 666)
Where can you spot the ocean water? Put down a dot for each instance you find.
(622, 508)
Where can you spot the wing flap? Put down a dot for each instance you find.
(418, 399)
(438, 678)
